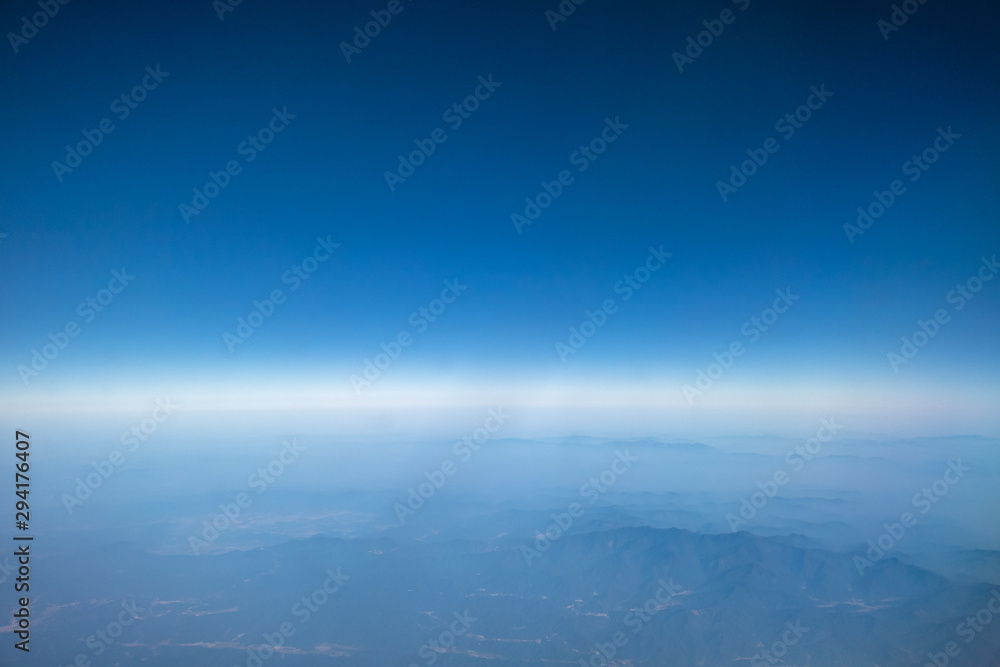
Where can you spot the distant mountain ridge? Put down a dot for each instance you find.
(738, 592)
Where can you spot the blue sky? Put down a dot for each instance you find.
(655, 185)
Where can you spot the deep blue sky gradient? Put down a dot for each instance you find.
(655, 185)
